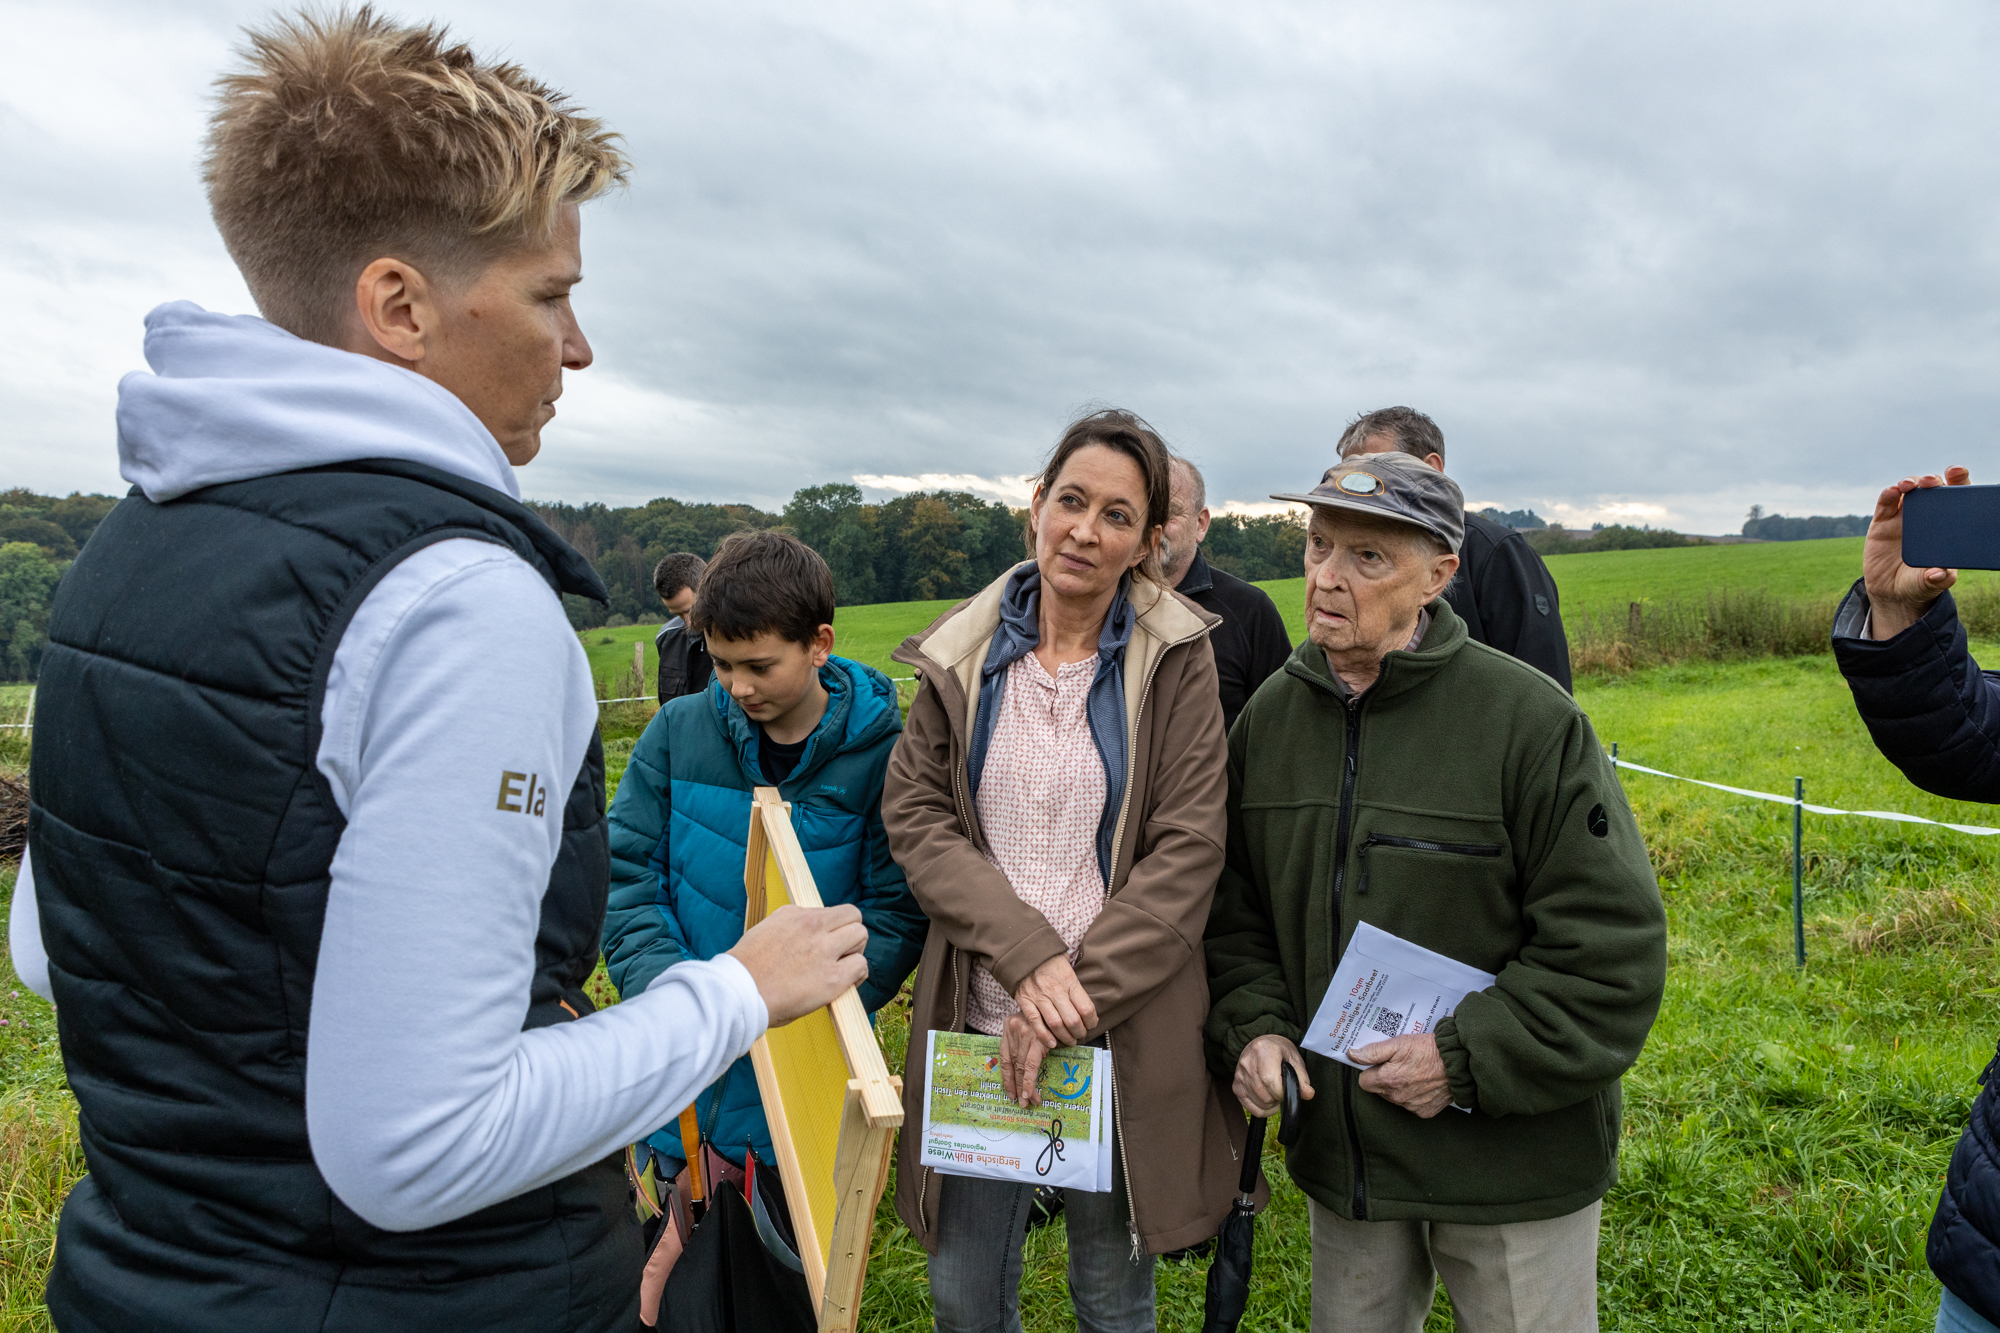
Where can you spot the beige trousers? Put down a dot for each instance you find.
(1517, 1277)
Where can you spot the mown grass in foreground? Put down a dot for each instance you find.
(1786, 1134)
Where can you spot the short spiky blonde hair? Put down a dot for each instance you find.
(351, 137)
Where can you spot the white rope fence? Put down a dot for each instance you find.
(1976, 830)
(1797, 800)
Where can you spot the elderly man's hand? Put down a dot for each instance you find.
(1899, 594)
(1260, 1073)
(1407, 1071)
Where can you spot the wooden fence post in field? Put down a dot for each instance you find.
(1632, 623)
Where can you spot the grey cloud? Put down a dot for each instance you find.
(1690, 255)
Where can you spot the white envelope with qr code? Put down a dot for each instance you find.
(1384, 987)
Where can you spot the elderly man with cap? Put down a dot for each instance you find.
(1401, 774)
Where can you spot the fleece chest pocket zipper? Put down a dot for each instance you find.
(1486, 850)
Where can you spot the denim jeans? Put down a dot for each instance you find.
(976, 1272)
(1955, 1316)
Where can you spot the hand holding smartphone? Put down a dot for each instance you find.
(1900, 589)
(1952, 527)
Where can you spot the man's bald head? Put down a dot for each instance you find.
(1187, 520)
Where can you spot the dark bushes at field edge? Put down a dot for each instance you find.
(1617, 537)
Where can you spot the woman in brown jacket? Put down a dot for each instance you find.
(1056, 800)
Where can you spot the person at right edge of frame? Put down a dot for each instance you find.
(1504, 593)
(1398, 773)
(1936, 716)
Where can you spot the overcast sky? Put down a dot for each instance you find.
(1644, 262)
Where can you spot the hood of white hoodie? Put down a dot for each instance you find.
(232, 397)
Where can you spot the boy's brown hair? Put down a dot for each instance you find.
(760, 582)
(351, 136)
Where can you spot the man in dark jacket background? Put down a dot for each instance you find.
(1503, 592)
(1250, 643)
(1936, 716)
(683, 654)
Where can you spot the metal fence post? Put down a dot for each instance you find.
(1798, 871)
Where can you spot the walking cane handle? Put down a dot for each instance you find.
(1290, 1127)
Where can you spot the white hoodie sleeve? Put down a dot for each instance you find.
(24, 933)
(457, 692)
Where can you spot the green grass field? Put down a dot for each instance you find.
(864, 633)
(1601, 582)
(1609, 581)
(1786, 1133)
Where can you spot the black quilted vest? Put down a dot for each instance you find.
(181, 838)
(1964, 1244)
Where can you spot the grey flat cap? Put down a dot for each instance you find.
(1393, 486)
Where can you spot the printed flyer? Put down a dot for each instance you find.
(1386, 986)
(972, 1129)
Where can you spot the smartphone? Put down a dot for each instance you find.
(1952, 527)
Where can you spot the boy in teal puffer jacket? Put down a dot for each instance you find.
(781, 712)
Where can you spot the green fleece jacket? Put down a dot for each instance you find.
(1463, 803)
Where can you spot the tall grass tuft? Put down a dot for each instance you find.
(1979, 609)
(1962, 914)
(1725, 626)
(40, 1159)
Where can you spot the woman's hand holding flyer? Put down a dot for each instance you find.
(972, 1127)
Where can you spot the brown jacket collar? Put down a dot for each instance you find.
(954, 646)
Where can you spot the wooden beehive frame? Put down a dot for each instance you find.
(869, 1114)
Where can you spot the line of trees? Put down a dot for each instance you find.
(39, 536)
(1521, 520)
(919, 547)
(1268, 547)
(915, 548)
(1616, 537)
(1778, 528)
(925, 546)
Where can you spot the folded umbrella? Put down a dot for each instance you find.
(1229, 1272)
